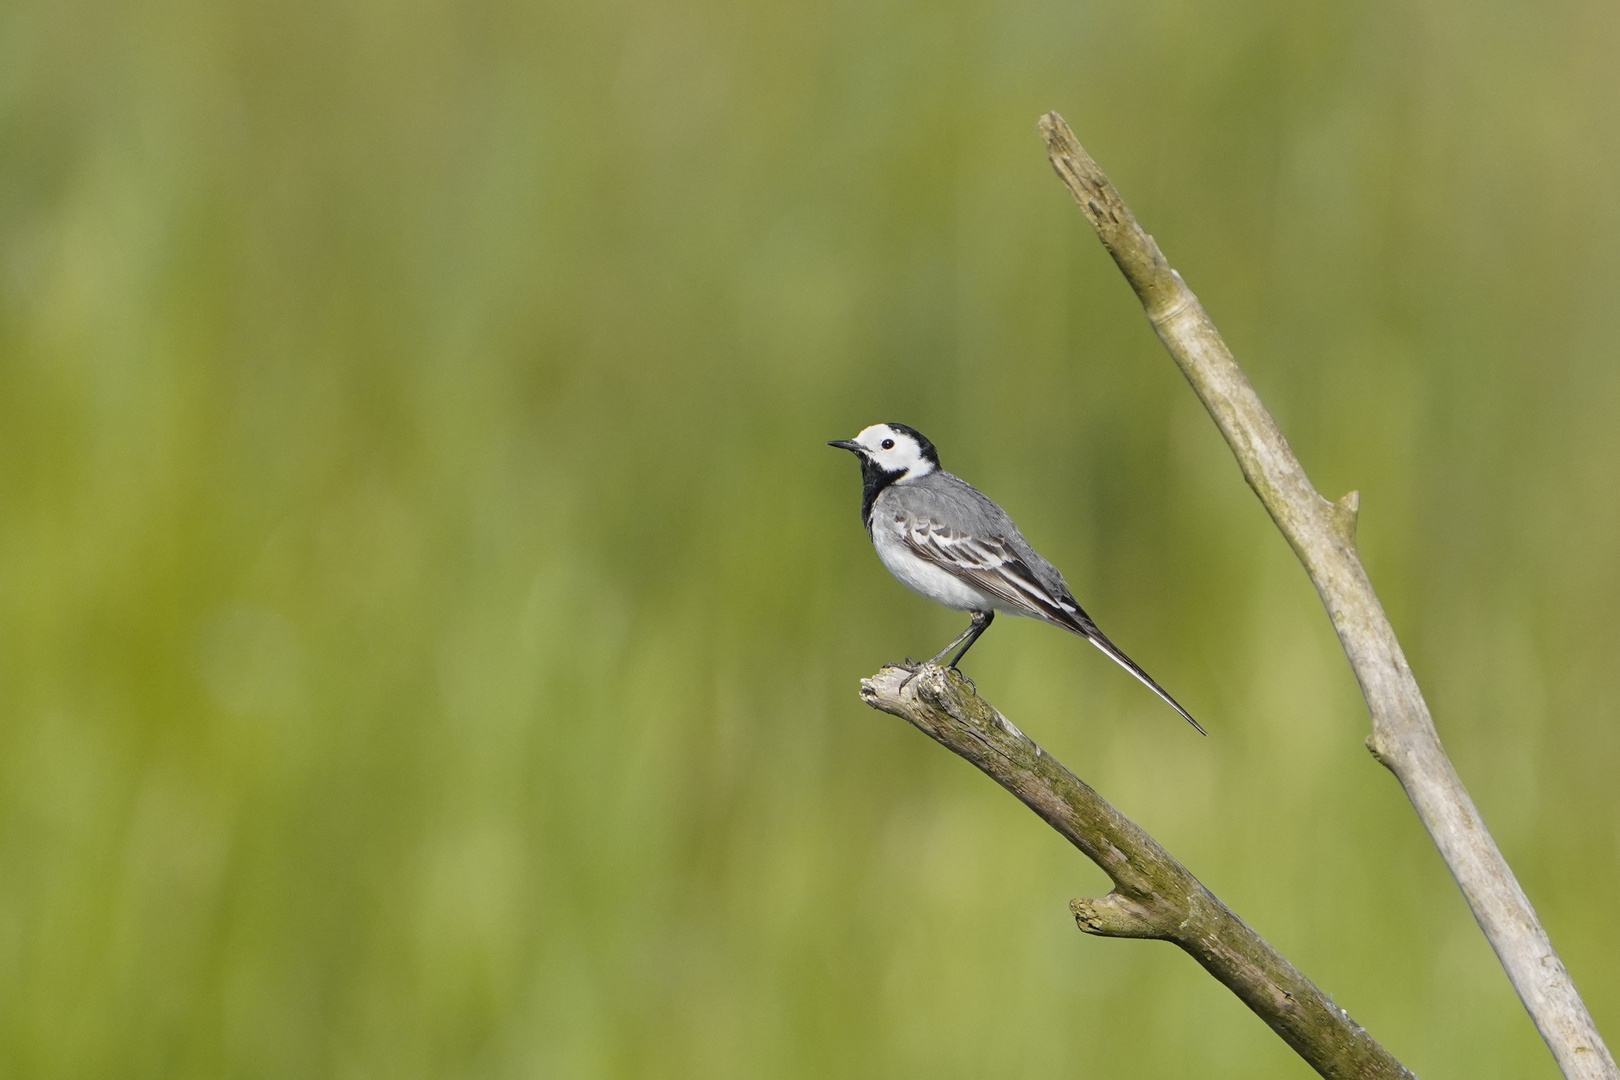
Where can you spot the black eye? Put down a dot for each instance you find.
(888, 444)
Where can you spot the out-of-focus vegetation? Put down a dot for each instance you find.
(430, 620)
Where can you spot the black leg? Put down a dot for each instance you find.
(980, 623)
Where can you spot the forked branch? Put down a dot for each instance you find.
(1322, 534)
(1154, 896)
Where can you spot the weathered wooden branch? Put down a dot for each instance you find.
(1154, 896)
(1323, 535)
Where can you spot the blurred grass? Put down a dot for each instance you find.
(430, 621)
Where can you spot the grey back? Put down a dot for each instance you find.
(961, 508)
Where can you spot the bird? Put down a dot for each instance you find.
(945, 540)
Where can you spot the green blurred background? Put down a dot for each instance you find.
(430, 619)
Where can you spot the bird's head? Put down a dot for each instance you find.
(895, 451)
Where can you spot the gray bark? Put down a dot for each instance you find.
(1154, 896)
(1323, 535)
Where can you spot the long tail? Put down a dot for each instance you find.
(1080, 623)
(1097, 638)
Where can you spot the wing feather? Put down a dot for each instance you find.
(991, 565)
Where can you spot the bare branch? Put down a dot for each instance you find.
(1322, 534)
(1154, 895)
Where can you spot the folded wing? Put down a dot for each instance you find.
(992, 566)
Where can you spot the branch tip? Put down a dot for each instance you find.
(1056, 131)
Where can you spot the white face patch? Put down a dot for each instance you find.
(895, 451)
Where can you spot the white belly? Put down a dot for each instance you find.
(926, 579)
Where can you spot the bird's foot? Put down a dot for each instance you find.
(913, 668)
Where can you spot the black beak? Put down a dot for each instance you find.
(848, 444)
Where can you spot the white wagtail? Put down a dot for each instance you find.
(946, 541)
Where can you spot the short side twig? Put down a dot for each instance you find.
(1322, 533)
(1154, 896)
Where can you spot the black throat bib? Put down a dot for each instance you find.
(874, 478)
